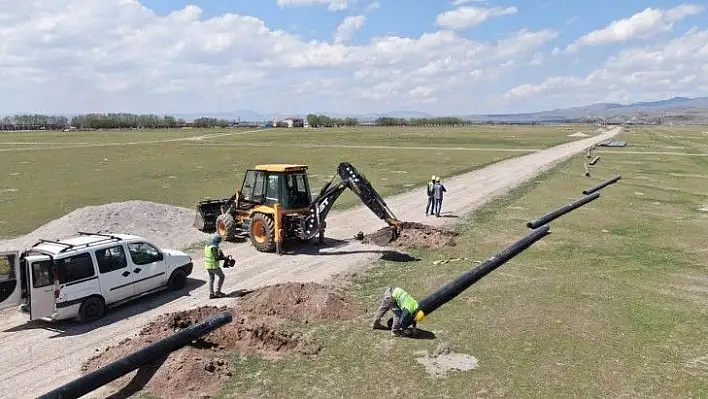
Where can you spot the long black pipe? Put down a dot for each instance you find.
(449, 291)
(157, 350)
(600, 186)
(561, 211)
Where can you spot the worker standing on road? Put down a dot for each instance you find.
(430, 208)
(438, 190)
(401, 304)
(212, 256)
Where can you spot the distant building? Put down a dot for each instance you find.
(294, 122)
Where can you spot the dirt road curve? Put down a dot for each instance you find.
(38, 359)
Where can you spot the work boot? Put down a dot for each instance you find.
(378, 326)
(211, 295)
(219, 294)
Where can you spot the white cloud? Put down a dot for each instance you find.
(465, 17)
(348, 27)
(646, 23)
(373, 6)
(675, 67)
(332, 5)
(117, 55)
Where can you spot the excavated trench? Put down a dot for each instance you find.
(199, 370)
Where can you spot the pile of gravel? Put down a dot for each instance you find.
(165, 225)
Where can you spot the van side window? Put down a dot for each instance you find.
(143, 253)
(111, 259)
(42, 275)
(75, 268)
(7, 267)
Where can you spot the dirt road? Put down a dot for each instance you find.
(40, 358)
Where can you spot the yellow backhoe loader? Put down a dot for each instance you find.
(274, 204)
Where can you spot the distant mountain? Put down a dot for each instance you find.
(246, 115)
(676, 107)
(682, 109)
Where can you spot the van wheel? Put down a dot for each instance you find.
(92, 309)
(177, 280)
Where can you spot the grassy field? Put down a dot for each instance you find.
(38, 185)
(612, 303)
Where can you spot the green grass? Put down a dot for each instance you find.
(612, 303)
(484, 136)
(37, 186)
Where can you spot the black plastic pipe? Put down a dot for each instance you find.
(594, 160)
(157, 350)
(449, 291)
(602, 185)
(561, 211)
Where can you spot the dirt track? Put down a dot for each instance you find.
(36, 360)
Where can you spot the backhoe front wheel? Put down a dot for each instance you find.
(262, 232)
(226, 227)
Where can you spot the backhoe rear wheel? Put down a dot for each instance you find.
(262, 232)
(226, 227)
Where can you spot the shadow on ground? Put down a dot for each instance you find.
(325, 249)
(67, 328)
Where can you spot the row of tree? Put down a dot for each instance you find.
(151, 121)
(326, 121)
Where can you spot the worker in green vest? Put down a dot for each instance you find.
(401, 304)
(430, 208)
(212, 256)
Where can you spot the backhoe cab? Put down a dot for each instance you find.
(275, 204)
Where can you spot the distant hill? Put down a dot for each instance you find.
(676, 108)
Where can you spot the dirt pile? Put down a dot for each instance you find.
(303, 302)
(166, 225)
(411, 235)
(200, 369)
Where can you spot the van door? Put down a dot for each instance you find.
(40, 288)
(148, 265)
(116, 277)
(10, 284)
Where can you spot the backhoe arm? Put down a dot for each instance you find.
(354, 181)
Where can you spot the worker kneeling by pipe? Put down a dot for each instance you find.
(404, 307)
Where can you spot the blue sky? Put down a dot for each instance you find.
(286, 55)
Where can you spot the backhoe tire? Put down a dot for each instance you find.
(262, 232)
(226, 227)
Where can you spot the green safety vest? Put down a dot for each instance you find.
(405, 300)
(209, 259)
(431, 185)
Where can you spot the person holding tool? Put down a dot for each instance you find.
(212, 256)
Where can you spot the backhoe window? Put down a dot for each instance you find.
(297, 191)
(272, 190)
(259, 188)
(248, 182)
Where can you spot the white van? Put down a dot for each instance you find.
(80, 276)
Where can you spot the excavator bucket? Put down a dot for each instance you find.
(207, 212)
(384, 236)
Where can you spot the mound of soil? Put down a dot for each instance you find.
(412, 235)
(301, 302)
(200, 369)
(166, 225)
